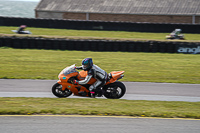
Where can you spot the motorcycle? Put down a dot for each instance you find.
(113, 89)
(176, 35)
(22, 32)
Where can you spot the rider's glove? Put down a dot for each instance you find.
(79, 68)
(75, 82)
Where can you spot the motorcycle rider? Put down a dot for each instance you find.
(95, 72)
(21, 29)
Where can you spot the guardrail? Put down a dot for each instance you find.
(98, 25)
(100, 45)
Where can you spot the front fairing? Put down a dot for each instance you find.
(68, 72)
(65, 79)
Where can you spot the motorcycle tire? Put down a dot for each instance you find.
(114, 90)
(57, 91)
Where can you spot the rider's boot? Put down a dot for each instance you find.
(96, 93)
(82, 93)
(93, 94)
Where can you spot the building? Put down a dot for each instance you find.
(153, 11)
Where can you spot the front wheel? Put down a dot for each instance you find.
(115, 90)
(57, 91)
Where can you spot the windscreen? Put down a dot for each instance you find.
(69, 70)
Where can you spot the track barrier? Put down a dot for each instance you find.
(98, 25)
(100, 45)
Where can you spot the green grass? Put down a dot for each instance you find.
(142, 67)
(101, 107)
(87, 34)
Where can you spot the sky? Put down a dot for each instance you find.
(26, 0)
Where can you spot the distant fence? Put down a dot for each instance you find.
(98, 25)
(100, 45)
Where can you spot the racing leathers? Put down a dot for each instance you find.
(97, 73)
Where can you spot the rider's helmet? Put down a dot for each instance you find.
(87, 64)
(23, 26)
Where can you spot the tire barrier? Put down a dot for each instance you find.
(98, 25)
(100, 45)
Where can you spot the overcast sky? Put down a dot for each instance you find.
(26, 0)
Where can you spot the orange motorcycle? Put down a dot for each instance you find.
(113, 89)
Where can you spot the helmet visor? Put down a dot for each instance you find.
(85, 66)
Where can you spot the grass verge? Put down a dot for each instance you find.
(101, 107)
(140, 67)
(91, 34)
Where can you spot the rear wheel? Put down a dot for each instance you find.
(115, 90)
(57, 91)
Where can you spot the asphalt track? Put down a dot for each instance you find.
(85, 124)
(89, 124)
(135, 90)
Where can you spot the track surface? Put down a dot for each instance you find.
(85, 124)
(135, 90)
(66, 124)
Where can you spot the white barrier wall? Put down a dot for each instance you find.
(189, 50)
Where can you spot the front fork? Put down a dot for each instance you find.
(63, 87)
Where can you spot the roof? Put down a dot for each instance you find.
(156, 7)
